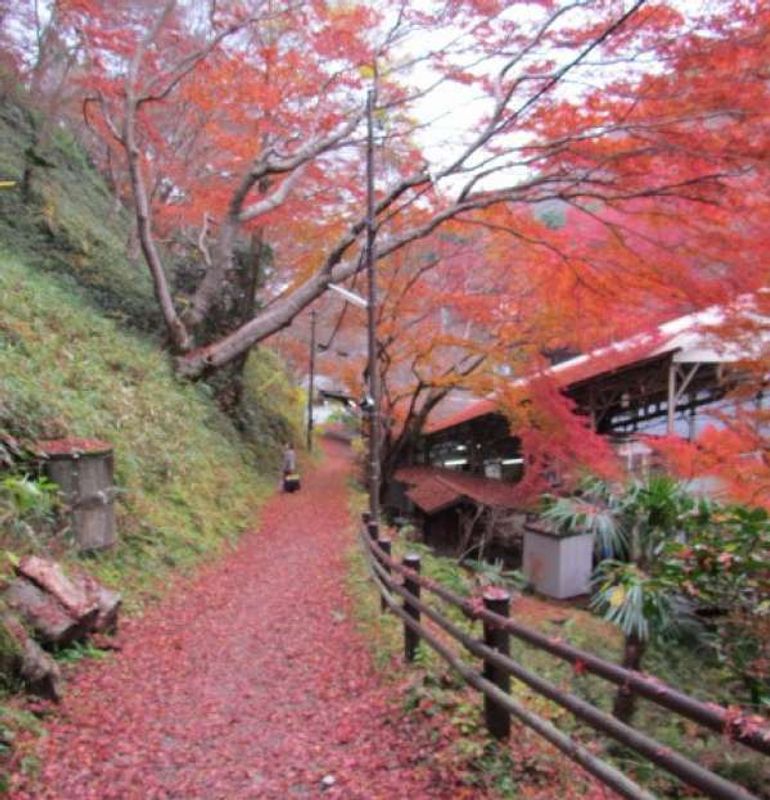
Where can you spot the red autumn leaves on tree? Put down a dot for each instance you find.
(237, 116)
(610, 155)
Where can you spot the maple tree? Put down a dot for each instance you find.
(434, 334)
(447, 319)
(481, 322)
(246, 118)
(637, 134)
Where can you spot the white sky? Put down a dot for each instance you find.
(451, 112)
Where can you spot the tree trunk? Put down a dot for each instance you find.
(625, 699)
(239, 304)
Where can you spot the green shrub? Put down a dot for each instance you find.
(27, 506)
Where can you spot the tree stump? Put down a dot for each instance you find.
(83, 469)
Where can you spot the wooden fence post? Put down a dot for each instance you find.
(385, 546)
(374, 530)
(411, 638)
(498, 720)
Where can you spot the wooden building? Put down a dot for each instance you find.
(665, 381)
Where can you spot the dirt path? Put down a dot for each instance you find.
(252, 683)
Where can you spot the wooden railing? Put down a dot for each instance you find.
(403, 580)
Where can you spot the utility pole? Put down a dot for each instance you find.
(311, 384)
(374, 387)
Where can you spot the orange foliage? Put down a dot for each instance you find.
(628, 151)
(737, 456)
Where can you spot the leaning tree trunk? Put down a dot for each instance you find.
(625, 699)
(399, 451)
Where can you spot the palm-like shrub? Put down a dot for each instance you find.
(597, 508)
(663, 551)
(631, 525)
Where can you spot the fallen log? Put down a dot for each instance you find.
(46, 616)
(80, 594)
(58, 610)
(107, 601)
(39, 672)
(50, 577)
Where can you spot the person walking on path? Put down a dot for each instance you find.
(290, 475)
(289, 459)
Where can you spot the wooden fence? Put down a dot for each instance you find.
(403, 580)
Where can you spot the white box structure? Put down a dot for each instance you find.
(558, 566)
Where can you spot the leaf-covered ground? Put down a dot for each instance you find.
(249, 682)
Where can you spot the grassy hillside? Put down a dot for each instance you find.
(188, 481)
(80, 356)
(69, 225)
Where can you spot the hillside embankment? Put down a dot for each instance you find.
(81, 356)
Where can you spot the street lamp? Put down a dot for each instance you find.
(370, 403)
(371, 257)
(370, 304)
(351, 297)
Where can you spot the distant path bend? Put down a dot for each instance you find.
(251, 682)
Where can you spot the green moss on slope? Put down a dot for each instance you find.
(188, 483)
(69, 224)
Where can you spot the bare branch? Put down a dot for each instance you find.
(203, 247)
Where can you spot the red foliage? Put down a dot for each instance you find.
(735, 455)
(557, 442)
(249, 681)
(579, 667)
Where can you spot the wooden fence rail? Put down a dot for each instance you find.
(394, 579)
